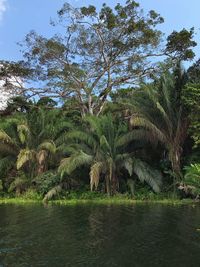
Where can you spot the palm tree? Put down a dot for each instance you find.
(157, 109)
(102, 145)
(27, 142)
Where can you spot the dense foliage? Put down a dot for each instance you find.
(107, 117)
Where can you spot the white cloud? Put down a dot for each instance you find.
(3, 8)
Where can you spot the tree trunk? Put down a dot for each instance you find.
(41, 169)
(107, 180)
(114, 184)
(176, 163)
(42, 161)
(90, 109)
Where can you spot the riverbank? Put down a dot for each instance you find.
(97, 201)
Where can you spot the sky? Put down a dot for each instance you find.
(18, 17)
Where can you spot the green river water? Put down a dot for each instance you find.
(99, 235)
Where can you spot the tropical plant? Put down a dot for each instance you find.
(27, 143)
(157, 109)
(9, 146)
(46, 181)
(53, 192)
(192, 175)
(102, 145)
(190, 187)
(19, 184)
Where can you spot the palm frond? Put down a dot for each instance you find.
(156, 133)
(94, 124)
(104, 144)
(146, 174)
(23, 132)
(128, 164)
(95, 172)
(79, 136)
(6, 149)
(48, 146)
(6, 164)
(25, 156)
(165, 116)
(73, 148)
(134, 135)
(5, 138)
(18, 183)
(68, 165)
(61, 127)
(52, 193)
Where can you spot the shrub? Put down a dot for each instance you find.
(192, 176)
(46, 181)
(32, 194)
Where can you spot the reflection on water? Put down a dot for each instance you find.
(137, 235)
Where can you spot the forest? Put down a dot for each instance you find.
(104, 107)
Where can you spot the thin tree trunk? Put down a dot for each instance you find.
(114, 184)
(176, 164)
(41, 169)
(90, 109)
(107, 180)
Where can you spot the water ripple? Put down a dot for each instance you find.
(138, 235)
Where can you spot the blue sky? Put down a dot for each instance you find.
(18, 17)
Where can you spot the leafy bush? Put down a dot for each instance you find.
(32, 194)
(46, 181)
(192, 176)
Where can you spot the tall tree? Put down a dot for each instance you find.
(98, 52)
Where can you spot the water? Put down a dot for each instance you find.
(138, 235)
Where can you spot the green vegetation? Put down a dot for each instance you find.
(87, 197)
(103, 146)
(107, 117)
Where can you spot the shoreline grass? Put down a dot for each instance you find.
(97, 201)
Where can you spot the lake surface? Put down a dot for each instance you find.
(91, 235)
